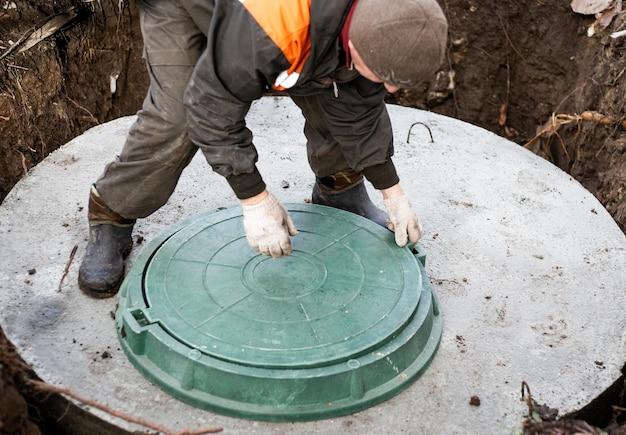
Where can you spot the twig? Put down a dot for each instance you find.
(5, 118)
(11, 65)
(19, 42)
(509, 39)
(503, 111)
(563, 146)
(24, 167)
(440, 281)
(527, 398)
(408, 136)
(558, 107)
(67, 267)
(93, 118)
(485, 52)
(43, 387)
(67, 408)
(616, 127)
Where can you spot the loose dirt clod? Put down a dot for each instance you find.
(474, 401)
(460, 343)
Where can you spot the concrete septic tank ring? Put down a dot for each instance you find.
(527, 265)
(346, 321)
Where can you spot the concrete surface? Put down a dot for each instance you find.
(529, 267)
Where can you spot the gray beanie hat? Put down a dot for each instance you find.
(402, 41)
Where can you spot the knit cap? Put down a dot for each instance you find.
(402, 41)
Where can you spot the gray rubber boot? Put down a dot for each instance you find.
(353, 199)
(110, 242)
(102, 269)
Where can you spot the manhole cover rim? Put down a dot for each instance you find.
(396, 363)
(428, 321)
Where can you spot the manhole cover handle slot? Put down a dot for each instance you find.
(135, 327)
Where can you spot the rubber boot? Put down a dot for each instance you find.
(110, 242)
(348, 194)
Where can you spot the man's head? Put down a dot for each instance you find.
(400, 42)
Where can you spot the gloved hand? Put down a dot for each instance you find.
(268, 227)
(403, 220)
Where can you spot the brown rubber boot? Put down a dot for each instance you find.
(110, 242)
(346, 190)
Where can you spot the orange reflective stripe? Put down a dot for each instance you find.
(286, 22)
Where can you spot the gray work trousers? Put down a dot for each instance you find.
(157, 148)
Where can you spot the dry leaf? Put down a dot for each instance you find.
(605, 18)
(502, 115)
(590, 7)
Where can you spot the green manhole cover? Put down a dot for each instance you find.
(346, 321)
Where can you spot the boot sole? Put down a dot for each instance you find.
(101, 294)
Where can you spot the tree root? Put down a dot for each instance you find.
(556, 121)
(47, 388)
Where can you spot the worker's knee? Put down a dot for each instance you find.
(161, 115)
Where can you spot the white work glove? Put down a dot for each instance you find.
(268, 227)
(402, 220)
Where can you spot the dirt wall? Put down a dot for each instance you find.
(593, 154)
(512, 63)
(62, 86)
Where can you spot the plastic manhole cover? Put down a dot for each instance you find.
(346, 321)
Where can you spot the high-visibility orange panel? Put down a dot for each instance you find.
(286, 22)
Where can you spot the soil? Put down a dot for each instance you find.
(62, 86)
(25, 410)
(510, 66)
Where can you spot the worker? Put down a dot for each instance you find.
(209, 59)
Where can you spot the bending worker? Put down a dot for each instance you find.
(209, 59)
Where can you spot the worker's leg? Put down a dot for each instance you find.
(337, 184)
(156, 151)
